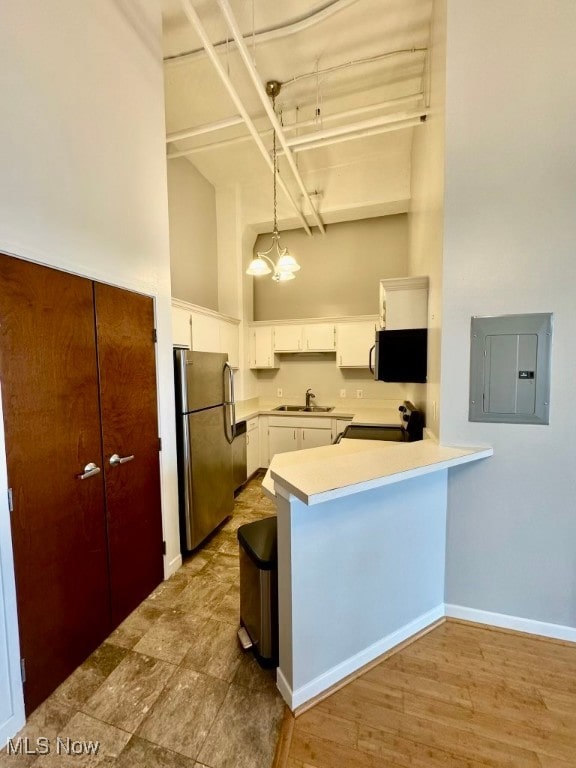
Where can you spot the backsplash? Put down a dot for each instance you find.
(320, 373)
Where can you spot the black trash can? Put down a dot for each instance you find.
(258, 543)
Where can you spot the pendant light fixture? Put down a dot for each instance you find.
(276, 260)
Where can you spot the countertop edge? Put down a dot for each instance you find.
(474, 454)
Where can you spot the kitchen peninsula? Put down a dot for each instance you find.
(361, 554)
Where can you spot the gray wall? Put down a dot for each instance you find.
(340, 271)
(193, 238)
(509, 240)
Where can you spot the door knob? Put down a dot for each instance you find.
(115, 460)
(89, 471)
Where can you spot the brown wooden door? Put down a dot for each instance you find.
(49, 383)
(127, 371)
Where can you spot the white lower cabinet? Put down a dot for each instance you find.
(292, 434)
(282, 440)
(314, 438)
(252, 446)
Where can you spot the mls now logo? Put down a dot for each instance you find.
(42, 746)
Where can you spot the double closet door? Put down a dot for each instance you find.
(78, 378)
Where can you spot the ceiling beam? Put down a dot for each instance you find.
(261, 91)
(194, 19)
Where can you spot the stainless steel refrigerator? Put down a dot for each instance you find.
(205, 415)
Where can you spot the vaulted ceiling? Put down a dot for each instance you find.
(353, 77)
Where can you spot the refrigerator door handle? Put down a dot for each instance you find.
(230, 434)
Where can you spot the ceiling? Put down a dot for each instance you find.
(340, 63)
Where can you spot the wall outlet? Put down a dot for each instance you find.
(342, 393)
(279, 392)
(359, 394)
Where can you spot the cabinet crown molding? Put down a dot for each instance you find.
(404, 283)
(203, 311)
(316, 320)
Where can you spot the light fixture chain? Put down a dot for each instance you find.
(275, 163)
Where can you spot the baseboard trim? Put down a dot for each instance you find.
(334, 678)
(513, 623)
(174, 565)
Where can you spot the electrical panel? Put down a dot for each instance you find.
(510, 368)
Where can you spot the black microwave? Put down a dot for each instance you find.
(400, 355)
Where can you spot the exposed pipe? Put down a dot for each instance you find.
(353, 63)
(212, 145)
(312, 144)
(273, 33)
(197, 24)
(400, 125)
(342, 130)
(244, 53)
(352, 112)
(218, 125)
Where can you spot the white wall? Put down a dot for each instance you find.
(82, 162)
(509, 246)
(359, 252)
(426, 217)
(193, 249)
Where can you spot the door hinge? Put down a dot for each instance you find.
(159, 443)
(23, 670)
(154, 336)
(10, 500)
(163, 547)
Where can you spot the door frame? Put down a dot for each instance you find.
(10, 655)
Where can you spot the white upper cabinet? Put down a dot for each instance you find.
(262, 347)
(319, 337)
(229, 342)
(353, 342)
(181, 335)
(288, 338)
(205, 333)
(404, 303)
(314, 337)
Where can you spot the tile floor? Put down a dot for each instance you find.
(170, 687)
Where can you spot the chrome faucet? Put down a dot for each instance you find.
(309, 396)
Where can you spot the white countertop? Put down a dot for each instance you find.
(316, 475)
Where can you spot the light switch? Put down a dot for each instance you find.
(510, 368)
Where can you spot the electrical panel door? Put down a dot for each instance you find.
(510, 369)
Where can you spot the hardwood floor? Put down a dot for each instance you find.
(463, 696)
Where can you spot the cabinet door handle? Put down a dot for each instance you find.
(115, 460)
(89, 471)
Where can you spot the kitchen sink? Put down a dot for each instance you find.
(290, 408)
(306, 408)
